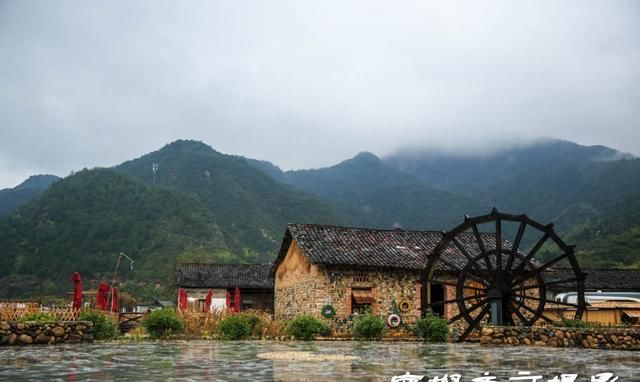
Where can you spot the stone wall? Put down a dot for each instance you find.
(593, 338)
(27, 333)
(304, 288)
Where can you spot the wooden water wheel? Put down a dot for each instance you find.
(497, 281)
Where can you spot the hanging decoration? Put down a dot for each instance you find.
(394, 320)
(328, 311)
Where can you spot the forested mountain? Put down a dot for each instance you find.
(12, 198)
(84, 221)
(612, 240)
(550, 180)
(377, 195)
(251, 208)
(202, 205)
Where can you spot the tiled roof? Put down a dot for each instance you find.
(224, 276)
(599, 279)
(333, 245)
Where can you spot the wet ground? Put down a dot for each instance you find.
(239, 361)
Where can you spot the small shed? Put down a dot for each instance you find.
(253, 281)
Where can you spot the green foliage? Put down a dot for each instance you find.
(568, 323)
(251, 208)
(12, 198)
(103, 326)
(163, 323)
(612, 240)
(306, 328)
(37, 316)
(432, 328)
(241, 326)
(374, 194)
(92, 216)
(368, 326)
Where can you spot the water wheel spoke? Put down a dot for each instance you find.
(470, 258)
(521, 316)
(525, 260)
(474, 324)
(437, 303)
(516, 245)
(470, 275)
(480, 242)
(538, 270)
(472, 308)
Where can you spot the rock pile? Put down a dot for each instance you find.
(594, 338)
(27, 333)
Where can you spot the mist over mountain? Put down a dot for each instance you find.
(550, 180)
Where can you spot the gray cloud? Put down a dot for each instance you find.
(306, 84)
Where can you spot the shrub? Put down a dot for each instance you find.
(432, 328)
(37, 316)
(163, 323)
(368, 326)
(306, 328)
(239, 326)
(103, 326)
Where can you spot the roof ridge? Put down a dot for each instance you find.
(363, 228)
(371, 229)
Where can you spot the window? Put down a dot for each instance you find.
(361, 300)
(360, 277)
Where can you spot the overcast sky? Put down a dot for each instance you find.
(307, 84)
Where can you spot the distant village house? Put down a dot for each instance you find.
(251, 280)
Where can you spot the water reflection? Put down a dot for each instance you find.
(237, 361)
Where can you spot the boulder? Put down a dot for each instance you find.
(58, 331)
(487, 331)
(25, 339)
(13, 338)
(42, 339)
(5, 325)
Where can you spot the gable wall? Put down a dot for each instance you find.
(304, 288)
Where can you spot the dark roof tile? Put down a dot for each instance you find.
(224, 276)
(347, 246)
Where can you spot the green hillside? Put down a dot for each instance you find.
(12, 198)
(377, 195)
(612, 240)
(82, 222)
(251, 208)
(551, 180)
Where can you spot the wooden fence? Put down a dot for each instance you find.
(17, 311)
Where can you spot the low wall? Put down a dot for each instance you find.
(27, 333)
(593, 338)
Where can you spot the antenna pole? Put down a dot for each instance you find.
(154, 168)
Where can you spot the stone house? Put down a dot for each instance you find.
(355, 269)
(252, 280)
